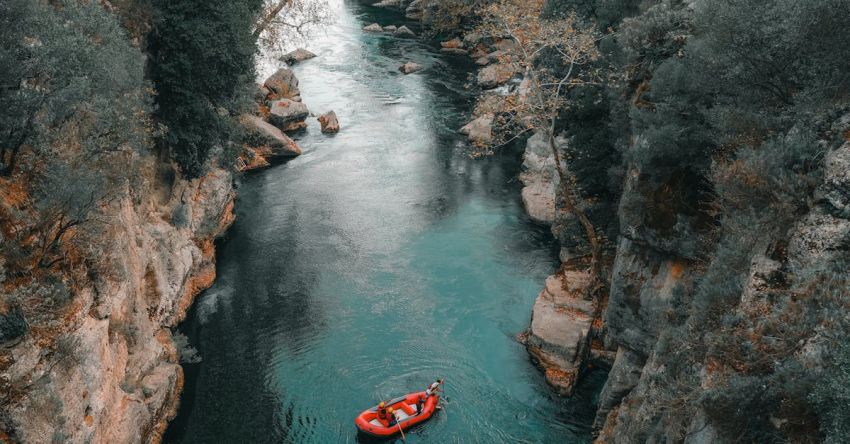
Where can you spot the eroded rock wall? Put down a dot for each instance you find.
(113, 374)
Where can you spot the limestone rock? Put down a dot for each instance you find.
(540, 179)
(288, 115)
(410, 67)
(299, 55)
(560, 323)
(622, 378)
(644, 283)
(283, 85)
(329, 122)
(374, 27)
(480, 130)
(404, 32)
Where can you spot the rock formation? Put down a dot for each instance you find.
(297, 56)
(288, 115)
(410, 68)
(404, 32)
(114, 375)
(329, 122)
(480, 130)
(374, 27)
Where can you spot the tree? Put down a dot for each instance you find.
(556, 56)
(202, 68)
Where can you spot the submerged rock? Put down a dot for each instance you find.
(454, 51)
(288, 115)
(329, 122)
(283, 85)
(390, 28)
(404, 32)
(374, 27)
(299, 55)
(410, 67)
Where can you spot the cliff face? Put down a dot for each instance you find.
(113, 375)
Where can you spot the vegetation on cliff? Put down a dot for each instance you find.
(709, 132)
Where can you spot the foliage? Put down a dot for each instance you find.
(203, 67)
(185, 351)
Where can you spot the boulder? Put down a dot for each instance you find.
(561, 319)
(374, 27)
(454, 43)
(388, 4)
(415, 10)
(410, 67)
(283, 85)
(480, 130)
(404, 32)
(299, 55)
(268, 138)
(494, 75)
(329, 122)
(288, 115)
(390, 28)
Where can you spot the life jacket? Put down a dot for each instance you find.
(382, 413)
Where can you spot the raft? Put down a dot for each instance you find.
(369, 423)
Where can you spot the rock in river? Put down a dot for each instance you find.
(288, 115)
(278, 144)
(390, 28)
(404, 32)
(410, 67)
(374, 27)
(283, 85)
(560, 323)
(329, 122)
(299, 55)
(480, 130)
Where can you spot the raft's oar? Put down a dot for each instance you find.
(401, 430)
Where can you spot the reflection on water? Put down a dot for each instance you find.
(380, 259)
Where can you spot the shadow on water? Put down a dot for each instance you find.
(380, 259)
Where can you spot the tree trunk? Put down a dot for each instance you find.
(571, 205)
(269, 16)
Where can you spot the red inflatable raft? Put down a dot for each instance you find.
(408, 416)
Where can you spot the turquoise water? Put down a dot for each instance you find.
(382, 258)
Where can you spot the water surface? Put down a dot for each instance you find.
(380, 259)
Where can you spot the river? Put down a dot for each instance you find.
(382, 258)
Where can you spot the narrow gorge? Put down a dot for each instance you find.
(608, 221)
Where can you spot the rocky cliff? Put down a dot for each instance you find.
(106, 369)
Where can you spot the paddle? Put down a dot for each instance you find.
(402, 432)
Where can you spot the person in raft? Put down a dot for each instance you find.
(382, 411)
(392, 418)
(432, 389)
